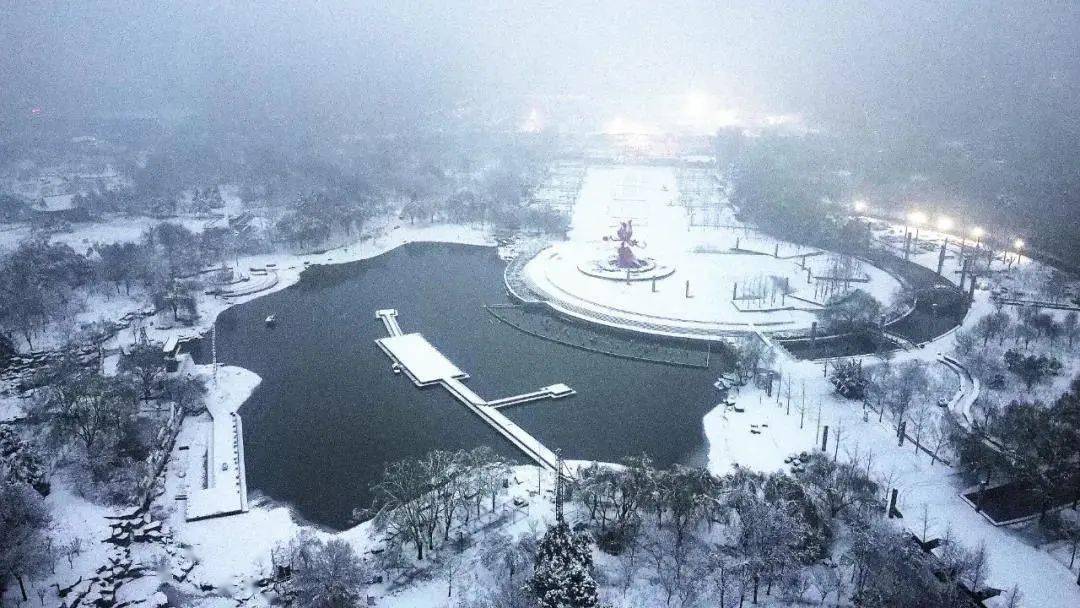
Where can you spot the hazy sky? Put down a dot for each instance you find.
(337, 59)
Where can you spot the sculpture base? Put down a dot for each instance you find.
(610, 270)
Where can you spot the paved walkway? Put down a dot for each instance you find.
(217, 480)
(966, 395)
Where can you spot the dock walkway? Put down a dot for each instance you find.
(217, 482)
(389, 318)
(424, 365)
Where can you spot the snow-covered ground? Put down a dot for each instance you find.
(112, 229)
(235, 551)
(1044, 579)
(232, 552)
(225, 548)
(705, 265)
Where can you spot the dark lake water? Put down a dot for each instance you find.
(329, 413)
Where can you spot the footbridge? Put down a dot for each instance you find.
(425, 366)
(389, 318)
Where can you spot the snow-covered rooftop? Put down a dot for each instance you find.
(57, 202)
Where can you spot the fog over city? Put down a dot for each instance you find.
(553, 304)
(960, 64)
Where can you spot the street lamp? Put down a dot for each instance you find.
(977, 233)
(859, 206)
(917, 218)
(1018, 245)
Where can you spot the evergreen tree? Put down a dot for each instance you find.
(19, 461)
(563, 574)
(849, 380)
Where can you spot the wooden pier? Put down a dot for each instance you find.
(425, 365)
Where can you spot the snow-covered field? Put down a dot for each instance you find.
(82, 236)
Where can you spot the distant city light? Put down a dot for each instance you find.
(616, 126)
(702, 111)
(776, 120)
(697, 106)
(944, 223)
(622, 126)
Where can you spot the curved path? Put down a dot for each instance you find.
(966, 396)
(253, 286)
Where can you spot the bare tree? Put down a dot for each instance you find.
(450, 564)
(906, 385)
(1070, 327)
(324, 574)
(71, 550)
(921, 414)
(993, 325)
(89, 408)
(673, 565)
(146, 364)
(404, 496)
(500, 551)
(939, 435)
(24, 546)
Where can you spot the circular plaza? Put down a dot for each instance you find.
(634, 261)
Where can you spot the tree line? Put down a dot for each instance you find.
(696, 538)
(42, 282)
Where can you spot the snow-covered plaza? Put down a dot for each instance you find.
(713, 282)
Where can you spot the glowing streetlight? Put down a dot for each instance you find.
(859, 206)
(944, 223)
(1018, 245)
(916, 218)
(977, 233)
